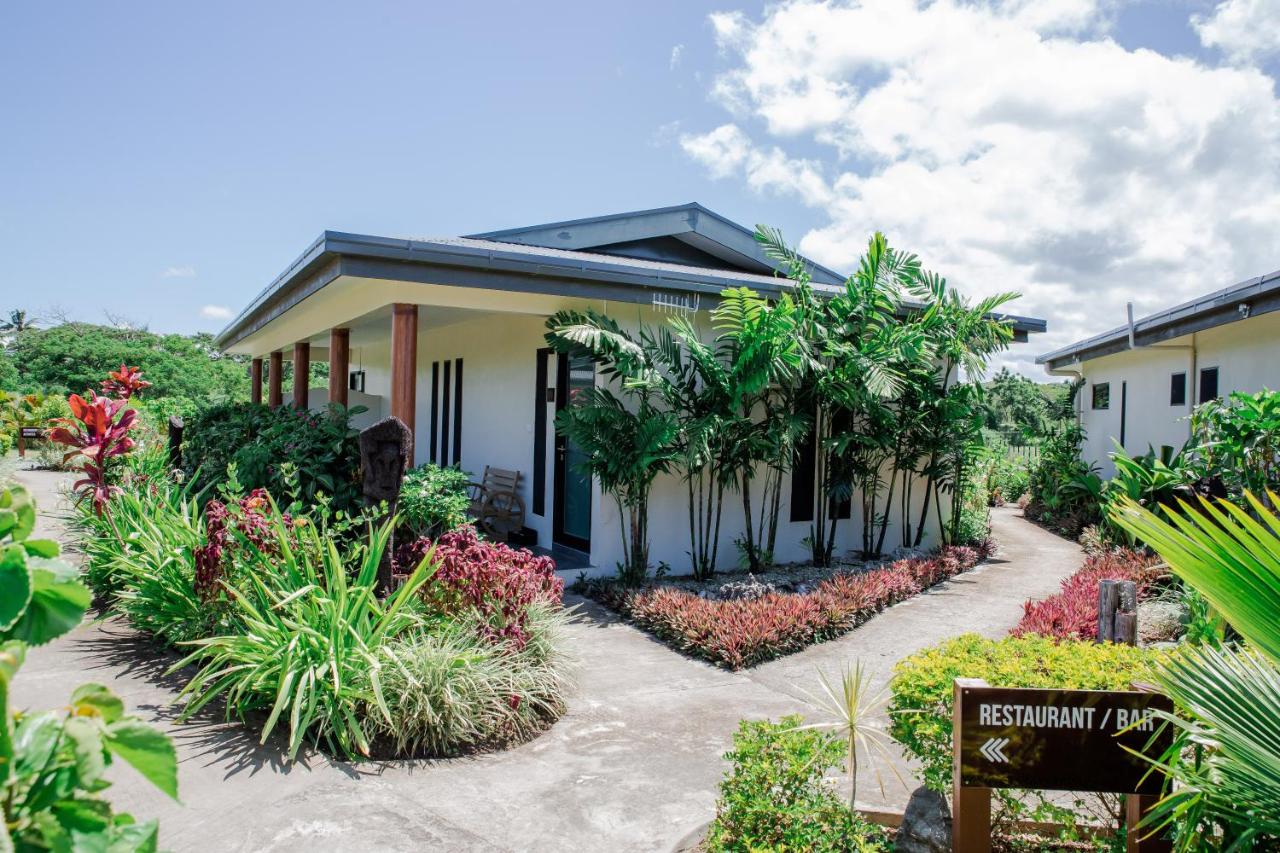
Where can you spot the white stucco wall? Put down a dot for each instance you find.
(1246, 353)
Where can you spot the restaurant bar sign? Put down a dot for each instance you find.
(1055, 740)
(1065, 740)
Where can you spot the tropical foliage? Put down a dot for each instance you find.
(52, 763)
(865, 381)
(1224, 765)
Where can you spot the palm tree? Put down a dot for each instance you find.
(18, 322)
(1224, 764)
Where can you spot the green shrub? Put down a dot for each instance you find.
(450, 689)
(923, 684)
(1064, 492)
(776, 796)
(281, 450)
(434, 500)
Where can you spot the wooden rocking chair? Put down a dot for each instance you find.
(496, 504)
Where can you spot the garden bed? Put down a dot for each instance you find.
(754, 623)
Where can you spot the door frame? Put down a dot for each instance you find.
(558, 534)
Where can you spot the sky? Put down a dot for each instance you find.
(160, 163)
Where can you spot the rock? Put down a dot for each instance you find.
(1160, 621)
(926, 824)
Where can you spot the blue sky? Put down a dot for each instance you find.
(162, 158)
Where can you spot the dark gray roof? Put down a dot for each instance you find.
(511, 265)
(1260, 294)
(690, 223)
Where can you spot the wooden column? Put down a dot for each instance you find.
(404, 364)
(275, 377)
(970, 807)
(339, 364)
(301, 374)
(255, 380)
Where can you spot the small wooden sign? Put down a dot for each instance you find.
(1055, 740)
(1060, 740)
(32, 432)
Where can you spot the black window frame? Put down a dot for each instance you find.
(1178, 389)
(1103, 388)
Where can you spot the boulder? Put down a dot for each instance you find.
(926, 824)
(1160, 621)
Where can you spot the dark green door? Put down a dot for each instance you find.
(572, 515)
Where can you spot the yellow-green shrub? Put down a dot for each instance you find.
(923, 684)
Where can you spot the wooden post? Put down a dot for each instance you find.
(1108, 603)
(970, 807)
(404, 365)
(339, 364)
(301, 374)
(1118, 612)
(22, 444)
(176, 427)
(255, 380)
(275, 378)
(1135, 806)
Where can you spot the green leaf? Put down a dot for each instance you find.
(56, 607)
(136, 837)
(42, 548)
(99, 699)
(86, 746)
(15, 585)
(34, 742)
(149, 750)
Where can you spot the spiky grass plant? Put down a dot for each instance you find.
(451, 688)
(308, 631)
(853, 703)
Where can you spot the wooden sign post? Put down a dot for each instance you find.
(26, 434)
(1055, 740)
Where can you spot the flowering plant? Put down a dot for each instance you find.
(251, 516)
(98, 431)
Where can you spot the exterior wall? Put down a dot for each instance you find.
(499, 353)
(1246, 353)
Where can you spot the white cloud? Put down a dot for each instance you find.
(186, 271)
(1244, 30)
(216, 312)
(677, 53)
(1012, 144)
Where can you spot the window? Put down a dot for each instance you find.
(1102, 395)
(446, 410)
(1178, 390)
(355, 381)
(1208, 384)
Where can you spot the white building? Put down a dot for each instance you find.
(1142, 379)
(447, 334)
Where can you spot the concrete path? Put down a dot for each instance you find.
(633, 765)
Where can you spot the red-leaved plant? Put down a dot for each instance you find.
(97, 432)
(737, 633)
(496, 581)
(1073, 612)
(251, 516)
(124, 383)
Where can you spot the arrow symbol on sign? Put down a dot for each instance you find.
(992, 750)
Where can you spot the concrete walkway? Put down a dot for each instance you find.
(632, 766)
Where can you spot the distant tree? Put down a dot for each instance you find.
(9, 380)
(73, 357)
(1014, 403)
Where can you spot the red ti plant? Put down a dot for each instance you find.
(124, 383)
(97, 430)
